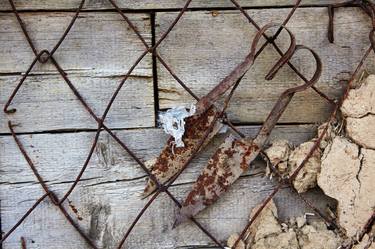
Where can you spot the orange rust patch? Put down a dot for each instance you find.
(75, 210)
(172, 159)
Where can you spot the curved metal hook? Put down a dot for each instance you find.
(316, 75)
(205, 102)
(285, 99)
(36, 59)
(38, 56)
(285, 58)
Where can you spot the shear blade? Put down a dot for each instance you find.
(230, 160)
(172, 159)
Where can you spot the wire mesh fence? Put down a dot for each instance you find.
(47, 56)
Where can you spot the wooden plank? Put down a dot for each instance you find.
(204, 48)
(108, 197)
(99, 43)
(96, 54)
(150, 4)
(45, 102)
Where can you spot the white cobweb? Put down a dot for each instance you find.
(173, 122)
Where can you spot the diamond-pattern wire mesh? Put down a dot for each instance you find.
(46, 56)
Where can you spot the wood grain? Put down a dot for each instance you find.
(96, 54)
(99, 43)
(204, 48)
(46, 103)
(108, 196)
(150, 4)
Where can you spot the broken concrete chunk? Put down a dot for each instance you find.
(344, 171)
(365, 201)
(286, 161)
(266, 232)
(232, 240)
(301, 221)
(278, 152)
(306, 178)
(362, 130)
(361, 101)
(346, 176)
(266, 223)
(340, 165)
(278, 155)
(317, 236)
(286, 240)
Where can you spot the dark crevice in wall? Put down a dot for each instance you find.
(154, 68)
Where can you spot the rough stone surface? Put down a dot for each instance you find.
(366, 243)
(361, 130)
(232, 240)
(266, 232)
(346, 173)
(358, 109)
(360, 101)
(287, 240)
(266, 223)
(278, 155)
(278, 152)
(343, 167)
(317, 236)
(306, 178)
(286, 161)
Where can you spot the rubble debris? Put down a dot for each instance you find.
(173, 122)
(285, 240)
(344, 164)
(286, 160)
(348, 166)
(346, 175)
(266, 224)
(307, 176)
(267, 232)
(301, 221)
(317, 236)
(278, 155)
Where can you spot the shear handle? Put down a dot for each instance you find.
(285, 99)
(205, 102)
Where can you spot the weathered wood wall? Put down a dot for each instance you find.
(202, 49)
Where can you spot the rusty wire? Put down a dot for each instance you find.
(45, 56)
